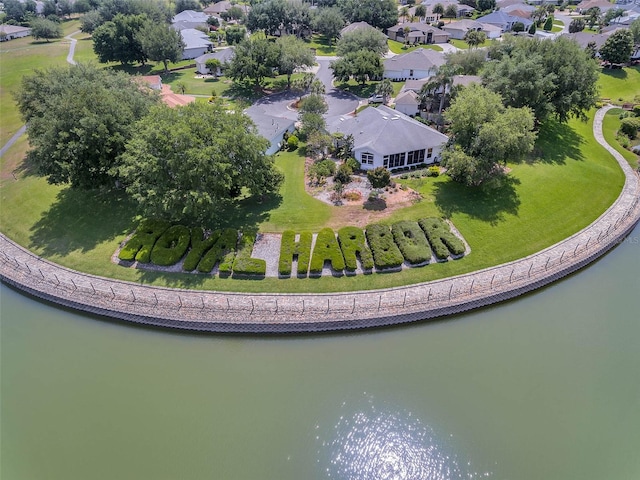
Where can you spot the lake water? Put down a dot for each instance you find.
(546, 387)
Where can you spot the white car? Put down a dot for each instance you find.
(376, 99)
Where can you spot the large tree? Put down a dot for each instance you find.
(47, 29)
(362, 65)
(117, 40)
(254, 58)
(161, 43)
(280, 16)
(78, 119)
(485, 135)
(560, 79)
(475, 38)
(362, 39)
(189, 162)
(377, 13)
(293, 54)
(328, 21)
(618, 47)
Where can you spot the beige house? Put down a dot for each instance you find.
(9, 32)
(418, 33)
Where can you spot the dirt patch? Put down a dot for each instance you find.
(355, 208)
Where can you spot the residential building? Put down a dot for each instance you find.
(419, 33)
(408, 102)
(504, 20)
(190, 19)
(460, 28)
(383, 137)
(356, 26)
(9, 32)
(420, 63)
(196, 42)
(224, 55)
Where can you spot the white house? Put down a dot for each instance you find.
(189, 19)
(459, 29)
(420, 63)
(224, 55)
(504, 20)
(197, 43)
(408, 103)
(383, 137)
(9, 32)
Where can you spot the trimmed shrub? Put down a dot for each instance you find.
(548, 24)
(433, 171)
(171, 246)
(289, 249)
(352, 195)
(353, 164)
(199, 245)
(636, 110)
(411, 240)
(326, 249)
(222, 251)
(442, 241)
(243, 263)
(343, 175)
(141, 243)
(353, 244)
(386, 253)
(630, 126)
(292, 143)
(379, 177)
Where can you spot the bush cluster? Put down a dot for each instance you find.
(141, 243)
(353, 244)
(200, 243)
(442, 241)
(411, 241)
(630, 126)
(326, 249)
(386, 253)
(223, 250)
(244, 264)
(290, 249)
(171, 246)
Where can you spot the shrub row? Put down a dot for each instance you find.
(141, 243)
(386, 253)
(325, 250)
(290, 249)
(171, 246)
(353, 244)
(411, 241)
(223, 251)
(244, 264)
(440, 237)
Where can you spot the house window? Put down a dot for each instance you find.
(393, 161)
(415, 156)
(366, 158)
(430, 153)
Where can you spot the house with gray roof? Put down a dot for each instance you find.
(190, 19)
(459, 29)
(356, 26)
(418, 33)
(9, 32)
(408, 102)
(224, 55)
(504, 20)
(420, 63)
(383, 137)
(196, 43)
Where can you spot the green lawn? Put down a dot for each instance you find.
(322, 45)
(368, 89)
(610, 127)
(557, 26)
(397, 47)
(620, 86)
(461, 44)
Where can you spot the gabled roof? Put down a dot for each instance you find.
(194, 38)
(419, 59)
(10, 29)
(502, 18)
(217, 8)
(408, 97)
(224, 55)
(463, 25)
(386, 131)
(355, 26)
(190, 16)
(603, 5)
(415, 85)
(416, 27)
(466, 80)
(523, 7)
(584, 38)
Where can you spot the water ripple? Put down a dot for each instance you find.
(382, 444)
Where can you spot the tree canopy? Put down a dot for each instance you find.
(377, 13)
(47, 29)
(362, 65)
(190, 161)
(280, 16)
(618, 47)
(293, 53)
(254, 58)
(78, 119)
(160, 43)
(362, 39)
(552, 77)
(328, 21)
(485, 134)
(117, 40)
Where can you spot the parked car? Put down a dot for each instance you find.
(376, 99)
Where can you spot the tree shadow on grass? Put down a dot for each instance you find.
(557, 142)
(489, 204)
(79, 220)
(176, 279)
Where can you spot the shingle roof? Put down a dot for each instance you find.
(419, 59)
(355, 26)
(190, 16)
(408, 97)
(194, 38)
(224, 55)
(387, 131)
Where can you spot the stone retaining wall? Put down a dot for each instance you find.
(280, 313)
